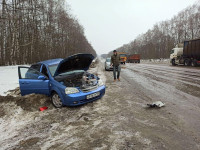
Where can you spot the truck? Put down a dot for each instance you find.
(134, 58)
(123, 57)
(186, 53)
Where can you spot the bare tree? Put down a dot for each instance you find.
(158, 41)
(35, 30)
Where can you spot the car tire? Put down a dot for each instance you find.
(56, 100)
(106, 69)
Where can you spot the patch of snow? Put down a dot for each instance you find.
(11, 126)
(161, 60)
(142, 139)
(9, 79)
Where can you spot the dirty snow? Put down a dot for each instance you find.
(156, 61)
(8, 78)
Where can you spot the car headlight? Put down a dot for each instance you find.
(100, 82)
(71, 90)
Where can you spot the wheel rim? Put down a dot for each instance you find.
(56, 100)
(186, 63)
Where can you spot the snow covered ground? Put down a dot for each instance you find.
(119, 120)
(157, 61)
(8, 78)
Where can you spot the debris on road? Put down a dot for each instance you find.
(43, 108)
(156, 104)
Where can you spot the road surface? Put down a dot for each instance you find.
(120, 120)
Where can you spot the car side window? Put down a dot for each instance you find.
(44, 71)
(29, 73)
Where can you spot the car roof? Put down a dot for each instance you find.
(51, 61)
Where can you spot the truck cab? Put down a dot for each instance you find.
(123, 57)
(175, 55)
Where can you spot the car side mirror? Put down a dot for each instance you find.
(41, 77)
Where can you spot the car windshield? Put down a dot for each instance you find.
(108, 60)
(122, 55)
(52, 69)
(172, 51)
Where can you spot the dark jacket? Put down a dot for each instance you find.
(115, 60)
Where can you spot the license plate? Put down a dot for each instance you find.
(93, 95)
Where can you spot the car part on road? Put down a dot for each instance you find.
(43, 108)
(156, 104)
(56, 101)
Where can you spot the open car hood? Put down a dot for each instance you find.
(74, 62)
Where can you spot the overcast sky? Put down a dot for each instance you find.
(109, 24)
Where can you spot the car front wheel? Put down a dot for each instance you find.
(56, 100)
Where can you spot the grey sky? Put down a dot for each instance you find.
(109, 24)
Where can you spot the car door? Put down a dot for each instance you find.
(32, 81)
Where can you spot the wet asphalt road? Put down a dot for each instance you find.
(120, 120)
(179, 88)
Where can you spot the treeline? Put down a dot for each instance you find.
(35, 30)
(158, 42)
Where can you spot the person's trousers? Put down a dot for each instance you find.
(116, 69)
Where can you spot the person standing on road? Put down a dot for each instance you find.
(115, 62)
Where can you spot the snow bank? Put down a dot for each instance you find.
(157, 61)
(8, 79)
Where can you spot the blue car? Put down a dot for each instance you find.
(66, 81)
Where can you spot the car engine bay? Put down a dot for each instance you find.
(84, 80)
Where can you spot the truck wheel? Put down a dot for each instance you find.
(173, 62)
(187, 62)
(56, 100)
(194, 63)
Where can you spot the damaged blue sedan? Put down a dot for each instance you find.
(66, 81)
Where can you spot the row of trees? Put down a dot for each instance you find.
(158, 42)
(35, 30)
